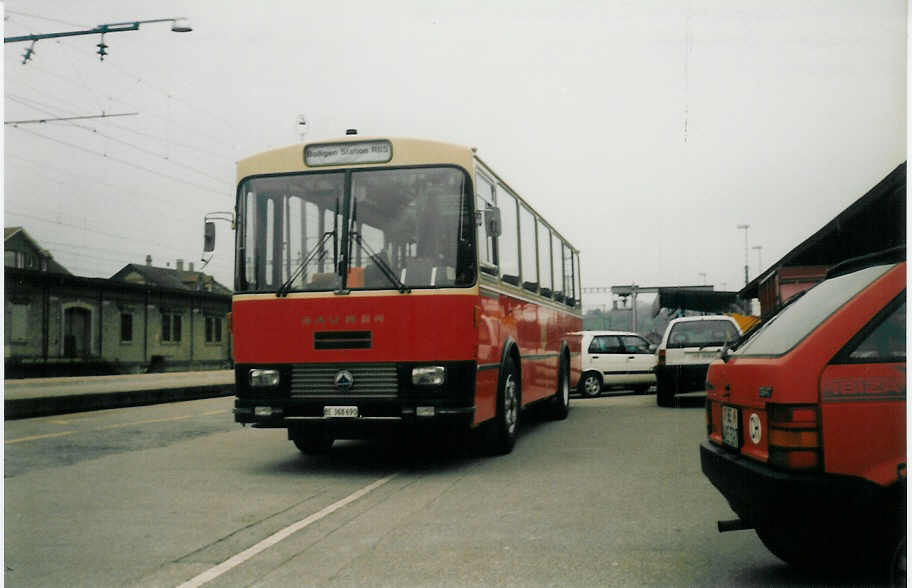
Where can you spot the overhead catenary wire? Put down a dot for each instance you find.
(67, 118)
(139, 80)
(94, 181)
(131, 145)
(86, 87)
(127, 163)
(94, 231)
(33, 103)
(64, 224)
(62, 255)
(48, 19)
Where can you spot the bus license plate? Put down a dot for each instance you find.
(731, 421)
(340, 411)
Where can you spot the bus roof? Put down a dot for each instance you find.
(405, 151)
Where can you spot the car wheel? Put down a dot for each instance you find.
(506, 422)
(817, 547)
(590, 385)
(311, 442)
(788, 545)
(898, 565)
(560, 404)
(664, 393)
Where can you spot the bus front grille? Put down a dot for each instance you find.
(368, 380)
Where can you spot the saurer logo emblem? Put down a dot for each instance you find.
(344, 380)
(348, 319)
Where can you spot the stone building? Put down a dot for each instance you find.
(58, 324)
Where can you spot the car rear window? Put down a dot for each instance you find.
(709, 333)
(797, 320)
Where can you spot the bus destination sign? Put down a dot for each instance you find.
(345, 153)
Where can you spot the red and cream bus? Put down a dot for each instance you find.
(385, 281)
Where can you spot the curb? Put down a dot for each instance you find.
(22, 408)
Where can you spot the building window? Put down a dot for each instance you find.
(171, 327)
(126, 327)
(213, 329)
(17, 259)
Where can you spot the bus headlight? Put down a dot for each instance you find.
(432, 375)
(264, 378)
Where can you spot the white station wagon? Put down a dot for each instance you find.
(687, 348)
(613, 359)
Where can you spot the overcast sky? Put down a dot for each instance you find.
(646, 132)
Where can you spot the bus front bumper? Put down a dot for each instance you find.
(369, 416)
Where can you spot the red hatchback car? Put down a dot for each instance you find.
(806, 422)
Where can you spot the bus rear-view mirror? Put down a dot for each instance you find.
(209, 237)
(492, 221)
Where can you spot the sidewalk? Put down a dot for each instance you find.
(32, 397)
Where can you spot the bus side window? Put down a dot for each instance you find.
(509, 237)
(528, 250)
(544, 259)
(487, 244)
(569, 282)
(557, 265)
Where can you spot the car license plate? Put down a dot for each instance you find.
(731, 422)
(340, 411)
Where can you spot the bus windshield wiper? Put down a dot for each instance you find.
(377, 259)
(286, 285)
(381, 263)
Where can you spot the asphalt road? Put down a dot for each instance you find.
(166, 494)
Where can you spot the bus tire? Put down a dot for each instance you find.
(560, 404)
(311, 442)
(502, 434)
(590, 385)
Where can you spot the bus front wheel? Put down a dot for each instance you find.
(311, 442)
(506, 422)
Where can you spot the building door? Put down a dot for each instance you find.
(76, 332)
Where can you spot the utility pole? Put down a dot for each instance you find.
(745, 227)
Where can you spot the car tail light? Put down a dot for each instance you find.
(661, 360)
(794, 436)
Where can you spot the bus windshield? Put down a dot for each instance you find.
(369, 229)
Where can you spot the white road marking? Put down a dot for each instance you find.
(236, 560)
(36, 437)
(109, 427)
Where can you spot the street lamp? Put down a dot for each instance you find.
(745, 227)
(178, 25)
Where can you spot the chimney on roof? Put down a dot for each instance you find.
(148, 260)
(191, 266)
(180, 265)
